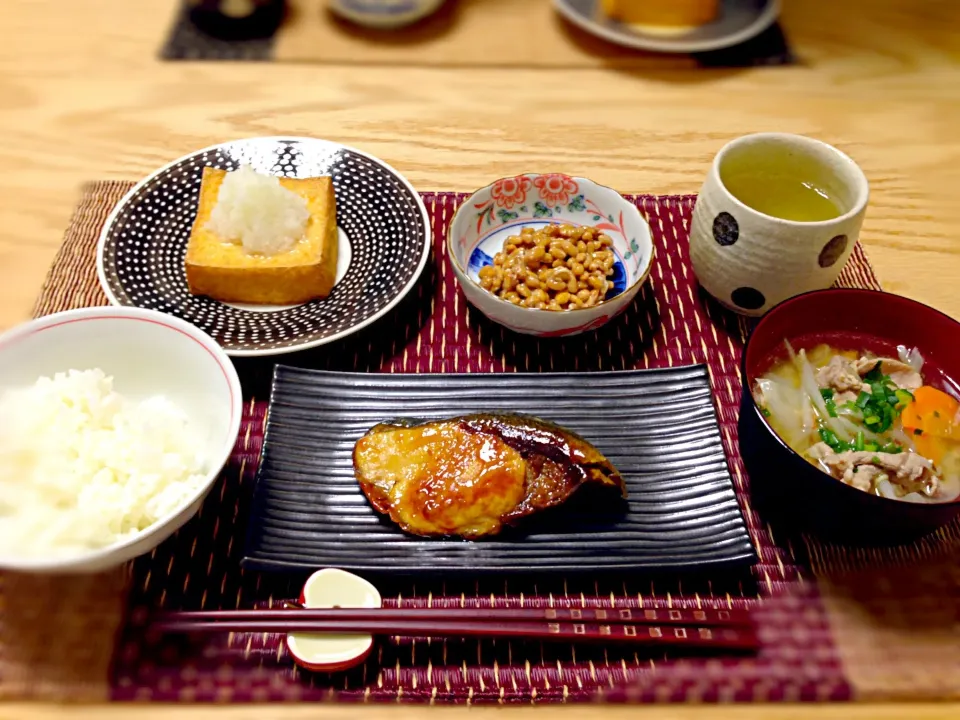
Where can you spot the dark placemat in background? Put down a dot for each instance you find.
(768, 48)
(186, 41)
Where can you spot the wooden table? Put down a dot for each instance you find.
(83, 97)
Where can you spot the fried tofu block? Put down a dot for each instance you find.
(227, 272)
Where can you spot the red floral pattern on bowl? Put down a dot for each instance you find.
(510, 191)
(555, 188)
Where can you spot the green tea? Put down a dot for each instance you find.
(782, 196)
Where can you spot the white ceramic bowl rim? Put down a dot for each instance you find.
(216, 353)
(641, 277)
(862, 189)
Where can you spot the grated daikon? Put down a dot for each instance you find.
(257, 212)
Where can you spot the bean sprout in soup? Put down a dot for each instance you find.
(872, 422)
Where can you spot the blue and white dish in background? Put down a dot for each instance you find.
(484, 221)
(384, 14)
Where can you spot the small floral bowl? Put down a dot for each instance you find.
(492, 214)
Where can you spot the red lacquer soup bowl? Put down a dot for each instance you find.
(790, 491)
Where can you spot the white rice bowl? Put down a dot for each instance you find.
(114, 424)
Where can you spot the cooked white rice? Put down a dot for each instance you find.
(82, 467)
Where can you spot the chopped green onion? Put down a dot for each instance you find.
(936, 413)
(831, 439)
(766, 413)
(875, 375)
(903, 398)
(875, 459)
(878, 406)
(888, 418)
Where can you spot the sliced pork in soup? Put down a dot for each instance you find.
(866, 470)
(867, 421)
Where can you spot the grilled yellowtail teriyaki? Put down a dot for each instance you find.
(470, 475)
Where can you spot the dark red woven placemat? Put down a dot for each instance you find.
(434, 330)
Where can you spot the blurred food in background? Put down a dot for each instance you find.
(237, 19)
(683, 13)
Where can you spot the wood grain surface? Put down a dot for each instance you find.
(83, 96)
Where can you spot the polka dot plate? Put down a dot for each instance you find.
(384, 243)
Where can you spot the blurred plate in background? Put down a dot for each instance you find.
(737, 22)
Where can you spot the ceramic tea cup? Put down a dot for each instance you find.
(777, 216)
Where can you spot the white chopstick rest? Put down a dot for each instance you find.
(332, 588)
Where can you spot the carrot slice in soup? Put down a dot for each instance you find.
(933, 421)
(931, 447)
(933, 412)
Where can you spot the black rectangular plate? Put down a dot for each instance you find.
(658, 427)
